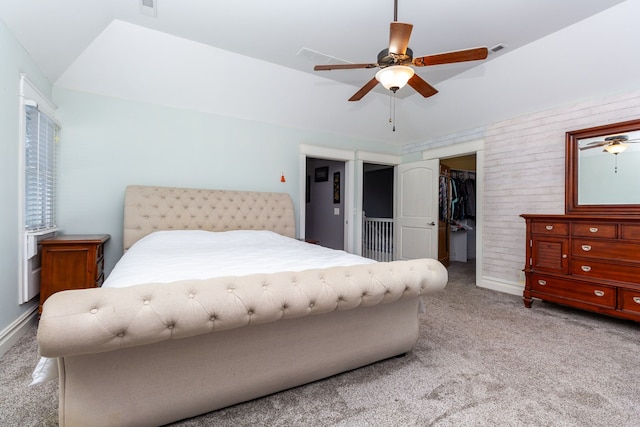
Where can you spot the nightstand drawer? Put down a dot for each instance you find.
(630, 231)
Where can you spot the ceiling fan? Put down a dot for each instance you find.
(613, 144)
(394, 62)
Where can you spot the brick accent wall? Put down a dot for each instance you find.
(524, 172)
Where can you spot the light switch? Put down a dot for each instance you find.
(336, 211)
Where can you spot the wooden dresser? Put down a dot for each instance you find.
(585, 261)
(73, 261)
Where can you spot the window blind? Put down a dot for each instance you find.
(41, 135)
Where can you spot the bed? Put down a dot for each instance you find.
(150, 350)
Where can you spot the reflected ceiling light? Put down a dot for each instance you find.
(394, 77)
(616, 148)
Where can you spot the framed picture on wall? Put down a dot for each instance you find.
(322, 174)
(336, 187)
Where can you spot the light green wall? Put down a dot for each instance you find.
(107, 144)
(13, 61)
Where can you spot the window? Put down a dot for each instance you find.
(41, 136)
(37, 183)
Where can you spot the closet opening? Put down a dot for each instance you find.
(457, 214)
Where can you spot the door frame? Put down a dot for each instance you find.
(337, 154)
(363, 157)
(456, 150)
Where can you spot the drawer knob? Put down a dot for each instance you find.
(544, 282)
(586, 248)
(549, 227)
(564, 255)
(636, 300)
(593, 229)
(585, 268)
(599, 293)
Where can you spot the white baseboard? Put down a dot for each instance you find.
(504, 286)
(12, 333)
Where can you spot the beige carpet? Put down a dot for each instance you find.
(482, 359)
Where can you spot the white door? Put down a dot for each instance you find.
(417, 210)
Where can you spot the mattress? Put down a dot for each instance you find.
(168, 256)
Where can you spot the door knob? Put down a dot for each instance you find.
(432, 223)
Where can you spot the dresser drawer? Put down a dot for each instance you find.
(629, 300)
(623, 251)
(600, 295)
(555, 228)
(601, 230)
(603, 270)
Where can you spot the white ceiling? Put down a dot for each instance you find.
(110, 47)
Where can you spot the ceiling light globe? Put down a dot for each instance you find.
(616, 148)
(394, 77)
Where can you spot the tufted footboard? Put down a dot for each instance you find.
(155, 353)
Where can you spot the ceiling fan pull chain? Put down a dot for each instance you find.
(394, 111)
(390, 108)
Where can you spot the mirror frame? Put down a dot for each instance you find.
(571, 170)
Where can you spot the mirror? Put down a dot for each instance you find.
(603, 170)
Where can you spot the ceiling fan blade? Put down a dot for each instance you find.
(364, 90)
(588, 147)
(399, 35)
(342, 67)
(474, 54)
(421, 86)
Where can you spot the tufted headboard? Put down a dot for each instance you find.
(148, 209)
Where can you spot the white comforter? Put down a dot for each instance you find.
(167, 256)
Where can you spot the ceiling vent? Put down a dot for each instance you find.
(149, 7)
(497, 48)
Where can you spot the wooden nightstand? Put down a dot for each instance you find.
(72, 261)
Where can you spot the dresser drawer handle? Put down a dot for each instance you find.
(549, 227)
(599, 293)
(586, 248)
(636, 300)
(544, 282)
(593, 229)
(585, 268)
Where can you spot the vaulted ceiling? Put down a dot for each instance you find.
(254, 59)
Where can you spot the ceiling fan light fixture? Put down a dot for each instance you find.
(616, 148)
(394, 77)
